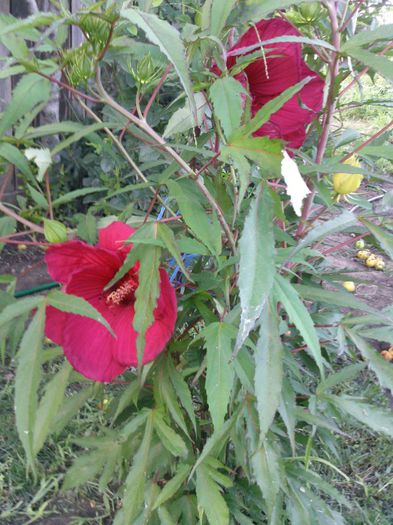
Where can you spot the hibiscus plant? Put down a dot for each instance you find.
(195, 295)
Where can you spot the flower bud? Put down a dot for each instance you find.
(371, 261)
(54, 231)
(363, 254)
(345, 183)
(349, 286)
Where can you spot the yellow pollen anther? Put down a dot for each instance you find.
(123, 292)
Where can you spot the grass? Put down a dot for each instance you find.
(21, 501)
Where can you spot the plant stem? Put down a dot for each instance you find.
(156, 90)
(368, 141)
(68, 87)
(48, 194)
(144, 126)
(20, 219)
(124, 152)
(328, 117)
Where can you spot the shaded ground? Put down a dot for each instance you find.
(27, 265)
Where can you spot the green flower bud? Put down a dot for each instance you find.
(54, 231)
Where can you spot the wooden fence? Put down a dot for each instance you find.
(22, 9)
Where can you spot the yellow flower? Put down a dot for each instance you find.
(345, 183)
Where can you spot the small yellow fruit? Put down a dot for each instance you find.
(345, 183)
(359, 245)
(380, 264)
(349, 286)
(363, 254)
(22, 247)
(371, 261)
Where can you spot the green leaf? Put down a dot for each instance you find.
(378, 419)
(287, 411)
(225, 95)
(384, 238)
(146, 294)
(219, 370)
(382, 369)
(256, 269)
(298, 313)
(76, 305)
(268, 109)
(205, 227)
(345, 374)
(264, 464)
(50, 405)
(215, 15)
(7, 226)
(183, 119)
(168, 395)
(166, 235)
(268, 369)
(269, 6)
(173, 485)
(210, 500)
(338, 298)
(168, 39)
(87, 228)
(134, 492)
(384, 32)
(182, 390)
(84, 468)
(69, 408)
(85, 131)
(38, 197)
(265, 152)
(338, 224)
(30, 91)
(384, 152)
(382, 65)
(12, 155)
(41, 158)
(216, 442)
(53, 129)
(27, 380)
(72, 195)
(21, 307)
(169, 438)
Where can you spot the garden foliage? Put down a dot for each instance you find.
(218, 152)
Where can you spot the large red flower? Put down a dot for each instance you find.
(84, 271)
(283, 68)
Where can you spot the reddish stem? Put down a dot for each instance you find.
(48, 195)
(20, 219)
(208, 163)
(156, 90)
(363, 72)
(327, 120)
(32, 243)
(368, 141)
(351, 15)
(6, 181)
(68, 87)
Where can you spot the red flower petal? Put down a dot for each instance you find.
(111, 237)
(284, 68)
(64, 259)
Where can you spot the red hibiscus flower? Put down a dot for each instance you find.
(283, 68)
(84, 271)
